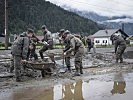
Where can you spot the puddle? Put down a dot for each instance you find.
(121, 88)
(128, 54)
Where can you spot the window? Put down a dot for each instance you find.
(104, 41)
(97, 41)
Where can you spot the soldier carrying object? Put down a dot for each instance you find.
(19, 52)
(66, 42)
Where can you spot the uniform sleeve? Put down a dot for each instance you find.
(72, 45)
(25, 47)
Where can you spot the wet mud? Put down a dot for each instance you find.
(99, 87)
(103, 79)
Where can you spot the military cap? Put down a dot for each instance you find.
(67, 32)
(62, 30)
(30, 30)
(43, 27)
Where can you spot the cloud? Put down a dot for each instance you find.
(125, 20)
(102, 7)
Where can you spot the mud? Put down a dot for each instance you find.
(99, 87)
(103, 79)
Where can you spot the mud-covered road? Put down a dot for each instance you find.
(103, 79)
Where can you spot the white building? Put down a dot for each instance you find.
(102, 37)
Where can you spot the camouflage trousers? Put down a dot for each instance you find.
(78, 58)
(67, 62)
(17, 66)
(119, 53)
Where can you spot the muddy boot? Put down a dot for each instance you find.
(43, 73)
(81, 70)
(18, 79)
(116, 61)
(77, 73)
(69, 69)
(121, 60)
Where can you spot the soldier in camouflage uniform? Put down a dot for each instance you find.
(47, 41)
(66, 42)
(120, 46)
(32, 48)
(19, 51)
(77, 46)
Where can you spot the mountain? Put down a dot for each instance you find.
(107, 22)
(23, 14)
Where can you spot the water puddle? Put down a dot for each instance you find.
(121, 88)
(128, 54)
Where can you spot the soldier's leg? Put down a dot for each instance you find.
(11, 65)
(81, 68)
(78, 62)
(117, 57)
(44, 48)
(17, 65)
(35, 56)
(121, 54)
(67, 61)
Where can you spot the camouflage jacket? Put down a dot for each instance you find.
(20, 46)
(47, 37)
(119, 42)
(75, 43)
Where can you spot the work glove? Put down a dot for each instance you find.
(46, 43)
(64, 53)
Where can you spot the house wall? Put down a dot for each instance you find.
(102, 41)
(2, 39)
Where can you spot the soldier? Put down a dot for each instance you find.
(90, 44)
(120, 46)
(32, 51)
(19, 51)
(47, 41)
(77, 46)
(67, 46)
(32, 48)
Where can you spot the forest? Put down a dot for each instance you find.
(23, 14)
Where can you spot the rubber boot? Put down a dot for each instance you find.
(77, 73)
(121, 60)
(81, 70)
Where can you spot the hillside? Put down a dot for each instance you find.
(35, 13)
(108, 22)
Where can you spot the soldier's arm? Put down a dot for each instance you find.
(49, 36)
(25, 47)
(72, 45)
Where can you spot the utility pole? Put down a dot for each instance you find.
(6, 25)
(122, 26)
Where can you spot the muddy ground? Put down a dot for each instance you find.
(103, 79)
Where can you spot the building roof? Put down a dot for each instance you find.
(108, 33)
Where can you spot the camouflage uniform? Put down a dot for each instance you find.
(47, 38)
(32, 53)
(67, 58)
(120, 46)
(19, 52)
(77, 46)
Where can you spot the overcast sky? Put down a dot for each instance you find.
(102, 7)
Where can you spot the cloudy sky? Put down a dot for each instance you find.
(102, 7)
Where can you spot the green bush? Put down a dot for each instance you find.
(3, 44)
